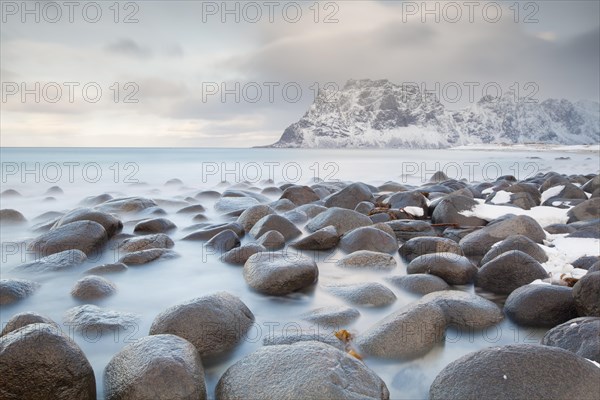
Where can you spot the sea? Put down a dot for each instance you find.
(176, 174)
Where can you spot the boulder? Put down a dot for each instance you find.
(368, 238)
(272, 240)
(543, 306)
(412, 201)
(448, 211)
(92, 288)
(278, 274)
(145, 256)
(20, 320)
(252, 215)
(331, 316)
(239, 255)
(156, 241)
(11, 217)
(155, 225)
(62, 261)
(518, 372)
(39, 362)
(214, 323)
(310, 370)
(343, 220)
(228, 204)
(419, 283)
(323, 239)
(13, 290)
(300, 195)
(586, 293)
(126, 205)
(369, 294)
(222, 242)
(451, 267)
(350, 196)
(408, 229)
(207, 232)
(277, 223)
(110, 223)
(366, 259)
(579, 335)
(92, 318)
(419, 246)
(155, 367)
(588, 210)
(509, 271)
(516, 242)
(87, 236)
(107, 269)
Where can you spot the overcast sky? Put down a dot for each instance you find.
(174, 58)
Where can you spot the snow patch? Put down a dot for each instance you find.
(501, 197)
(542, 214)
(553, 191)
(416, 211)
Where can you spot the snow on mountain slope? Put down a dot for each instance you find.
(368, 113)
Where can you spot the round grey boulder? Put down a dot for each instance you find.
(92, 288)
(343, 220)
(588, 210)
(156, 241)
(26, 318)
(105, 269)
(323, 239)
(586, 293)
(408, 229)
(516, 242)
(300, 195)
(87, 236)
(307, 370)
(252, 215)
(448, 211)
(350, 196)
(39, 362)
(155, 367)
(11, 217)
(368, 238)
(508, 272)
(239, 255)
(419, 283)
(207, 232)
(279, 274)
(222, 242)
(416, 247)
(465, 310)
(274, 222)
(155, 225)
(213, 323)
(579, 335)
(13, 290)
(518, 372)
(272, 240)
(451, 267)
(543, 306)
(61, 261)
(366, 259)
(145, 256)
(331, 316)
(369, 294)
(88, 317)
(110, 223)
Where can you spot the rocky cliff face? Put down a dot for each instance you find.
(366, 113)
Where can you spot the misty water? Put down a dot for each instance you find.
(149, 289)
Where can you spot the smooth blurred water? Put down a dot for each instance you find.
(149, 289)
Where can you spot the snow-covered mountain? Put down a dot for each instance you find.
(367, 113)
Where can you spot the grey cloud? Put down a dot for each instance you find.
(128, 47)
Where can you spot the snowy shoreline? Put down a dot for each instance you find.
(580, 148)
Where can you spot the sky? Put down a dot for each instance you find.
(236, 74)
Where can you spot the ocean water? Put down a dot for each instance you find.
(147, 290)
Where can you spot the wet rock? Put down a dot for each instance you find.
(27, 318)
(87, 236)
(559, 228)
(408, 229)
(38, 362)
(88, 318)
(419, 246)
(366, 259)
(419, 283)
(407, 333)
(282, 205)
(55, 262)
(207, 232)
(323, 239)
(222, 242)
(271, 191)
(456, 234)
(193, 209)
(517, 372)
(155, 367)
(508, 272)
(93, 288)
(453, 268)
(295, 216)
(478, 243)
(364, 207)
(272, 240)
(245, 194)
(311, 370)
(174, 182)
(126, 205)
(350, 196)
(239, 255)
(110, 223)
(155, 225)
(10, 193)
(579, 335)
(540, 305)
(592, 185)
(156, 241)
(402, 200)
(332, 316)
(370, 294)
(10, 217)
(585, 262)
(588, 210)
(368, 238)
(311, 210)
(287, 338)
(516, 242)
(586, 293)
(465, 310)
(252, 215)
(278, 274)
(300, 195)
(341, 219)
(448, 211)
(107, 269)
(208, 195)
(277, 223)
(229, 204)
(214, 323)
(13, 290)
(146, 256)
